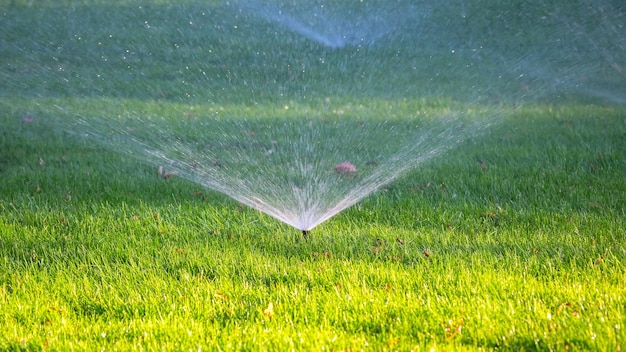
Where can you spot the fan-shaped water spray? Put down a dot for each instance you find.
(300, 171)
(336, 25)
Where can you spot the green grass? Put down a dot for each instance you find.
(515, 241)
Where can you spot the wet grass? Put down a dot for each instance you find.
(513, 241)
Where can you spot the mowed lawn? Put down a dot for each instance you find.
(515, 240)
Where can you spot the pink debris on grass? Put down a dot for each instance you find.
(345, 168)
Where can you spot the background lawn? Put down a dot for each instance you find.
(515, 240)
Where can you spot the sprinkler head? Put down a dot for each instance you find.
(305, 233)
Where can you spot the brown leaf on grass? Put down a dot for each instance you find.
(454, 328)
(562, 306)
(490, 215)
(399, 240)
(393, 342)
(426, 253)
(483, 165)
(220, 296)
(325, 255)
(161, 172)
(56, 309)
(345, 168)
(269, 311)
(28, 119)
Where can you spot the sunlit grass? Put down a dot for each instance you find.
(515, 240)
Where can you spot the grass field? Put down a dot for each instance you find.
(514, 241)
